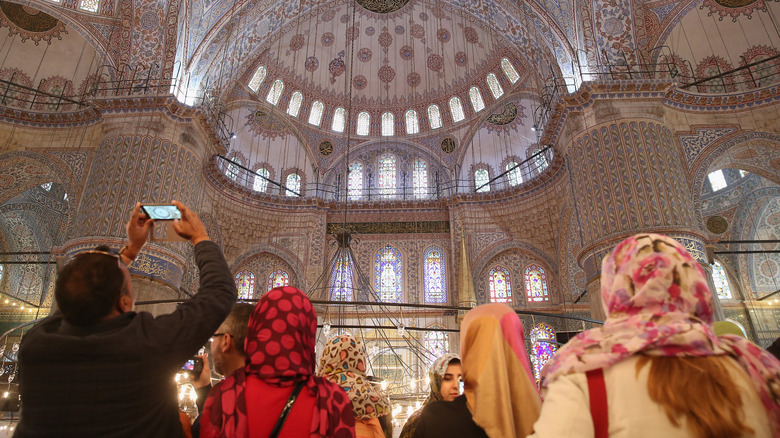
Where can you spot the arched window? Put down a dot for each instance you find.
(363, 123)
(436, 343)
(509, 70)
(420, 179)
(542, 343)
(275, 92)
(456, 109)
(412, 124)
(476, 99)
(339, 120)
(245, 283)
(89, 5)
(355, 181)
(315, 116)
(232, 169)
(293, 185)
(494, 85)
(721, 282)
(536, 285)
(388, 275)
(515, 176)
(387, 175)
(295, 104)
(435, 276)
(481, 180)
(278, 278)
(388, 124)
(434, 116)
(717, 180)
(261, 183)
(341, 280)
(500, 285)
(257, 79)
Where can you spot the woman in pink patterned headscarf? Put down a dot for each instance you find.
(660, 311)
(280, 350)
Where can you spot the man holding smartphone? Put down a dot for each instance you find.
(96, 368)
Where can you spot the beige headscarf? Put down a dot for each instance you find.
(499, 386)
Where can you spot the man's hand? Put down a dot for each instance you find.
(138, 228)
(189, 226)
(205, 376)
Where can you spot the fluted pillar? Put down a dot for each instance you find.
(627, 177)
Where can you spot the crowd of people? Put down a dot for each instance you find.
(657, 367)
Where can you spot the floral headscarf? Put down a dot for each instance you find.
(498, 383)
(280, 351)
(658, 303)
(435, 376)
(343, 362)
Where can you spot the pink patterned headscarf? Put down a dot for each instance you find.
(658, 303)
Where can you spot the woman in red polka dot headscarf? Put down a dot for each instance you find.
(280, 350)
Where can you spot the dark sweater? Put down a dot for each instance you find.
(442, 419)
(116, 379)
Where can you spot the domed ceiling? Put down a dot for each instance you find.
(416, 55)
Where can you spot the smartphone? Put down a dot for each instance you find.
(194, 366)
(460, 387)
(161, 212)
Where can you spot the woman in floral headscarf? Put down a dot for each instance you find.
(280, 359)
(660, 312)
(343, 362)
(445, 377)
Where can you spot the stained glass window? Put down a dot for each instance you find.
(257, 79)
(232, 169)
(476, 99)
(542, 343)
(721, 282)
(500, 285)
(434, 116)
(420, 178)
(436, 344)
(295, 104)
(509, 70)
(315, 116)
(494, 85)
(275, 92)
(261, 184)
(341, 280)
(245, 283)
(435, 276)
(89, 5)
(293, 184)
(717, 181)
(456, 108)
(388, 124)
(388, 274)
(278, 278)
(515, 176)
(412, 123)
(387, 175)
(363, 123)
(481, 179)
(536, 284)
(46, 186)
(355, 181)
(339, 120)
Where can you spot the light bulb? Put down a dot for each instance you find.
(5, 394)
(383, 385)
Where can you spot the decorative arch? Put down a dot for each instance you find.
(297, 279)
(23, 170)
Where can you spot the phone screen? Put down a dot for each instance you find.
(162, 212)
(460, 387)
(189, 365)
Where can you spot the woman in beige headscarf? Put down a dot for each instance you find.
(500, 399)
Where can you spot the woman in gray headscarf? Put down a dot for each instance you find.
(445, 377)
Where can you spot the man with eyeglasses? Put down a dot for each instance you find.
(96, 368)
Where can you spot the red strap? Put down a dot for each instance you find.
(597, 390)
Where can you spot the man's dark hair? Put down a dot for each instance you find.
(235, 324)
(88, 287)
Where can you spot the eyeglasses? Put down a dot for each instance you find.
(217, 335)
(110, 254)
